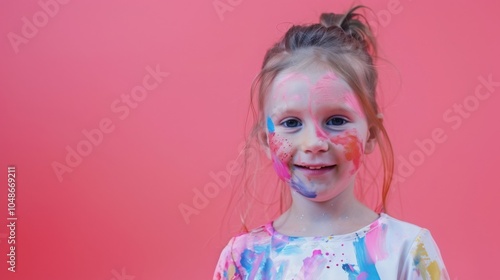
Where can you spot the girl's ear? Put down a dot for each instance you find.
(264, 143)
(371, 141)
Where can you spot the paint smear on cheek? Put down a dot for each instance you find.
(281, 152)
(281, 169)
(280, 147)
(352, 147)
(299, 186)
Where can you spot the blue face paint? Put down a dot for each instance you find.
(270, 125)
(301, 188)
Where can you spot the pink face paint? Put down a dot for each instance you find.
(352, 147)
(281, 169)
(331, 89)
(280, 147)
(319, 131)
(286, 80)
(323, 92)
(354, 104)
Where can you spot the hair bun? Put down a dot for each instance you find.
(330, 19)
(353, 24)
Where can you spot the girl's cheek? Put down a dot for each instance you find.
(352, 147)
(280, 147)
(281, 151)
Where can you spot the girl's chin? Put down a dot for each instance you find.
(318, 191)
(324, 197)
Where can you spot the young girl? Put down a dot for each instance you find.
(318, 118)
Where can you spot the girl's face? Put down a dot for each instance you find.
(317, 132)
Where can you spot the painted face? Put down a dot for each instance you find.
(317, 132)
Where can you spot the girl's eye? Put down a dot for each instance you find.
(336, 121)
(291, 123)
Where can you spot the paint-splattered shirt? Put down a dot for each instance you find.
(386, 249)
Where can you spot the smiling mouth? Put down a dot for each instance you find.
(315, 167)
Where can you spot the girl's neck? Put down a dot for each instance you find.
(340, 215)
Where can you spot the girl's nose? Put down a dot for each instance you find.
(314, 140)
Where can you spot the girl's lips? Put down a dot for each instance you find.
(315, 169)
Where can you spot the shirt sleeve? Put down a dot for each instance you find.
(424, 261)
(226, 268)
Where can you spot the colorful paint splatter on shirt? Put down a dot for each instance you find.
(385, 249)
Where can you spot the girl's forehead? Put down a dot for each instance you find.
(306, 88)
(314, 81)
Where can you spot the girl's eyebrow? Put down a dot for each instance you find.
(346, 102)
(341, 109)
(287, 111)
(334, 108)
(344, 107)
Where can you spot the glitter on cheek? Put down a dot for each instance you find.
(353, 149)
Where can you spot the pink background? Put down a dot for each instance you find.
(116, 214)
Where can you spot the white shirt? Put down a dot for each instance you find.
(385, 249)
